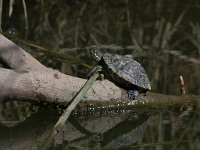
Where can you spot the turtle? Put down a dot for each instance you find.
(123, 71)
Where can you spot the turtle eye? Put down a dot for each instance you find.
(97, 56)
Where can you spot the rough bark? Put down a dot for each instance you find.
(25, 78)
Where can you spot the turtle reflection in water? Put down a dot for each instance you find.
(124, 71)
(15, 112)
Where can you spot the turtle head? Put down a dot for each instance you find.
(96, 54)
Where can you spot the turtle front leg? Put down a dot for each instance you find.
(132, 94)
(101, 77)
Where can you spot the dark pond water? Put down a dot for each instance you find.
(165, 37)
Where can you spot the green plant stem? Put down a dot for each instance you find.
(63, 118)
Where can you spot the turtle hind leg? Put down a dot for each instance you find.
(132, 94)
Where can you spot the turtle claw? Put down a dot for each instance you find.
(97, 68)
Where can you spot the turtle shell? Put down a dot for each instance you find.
(126, 71)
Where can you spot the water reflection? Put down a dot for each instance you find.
(84, 131)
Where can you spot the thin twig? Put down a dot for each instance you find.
(50, 27)
(77, 24)
(181, 56)
(180, 18)
(11, 3)
(26, 18)
(171, 28)
(135, 42)
(1, 3)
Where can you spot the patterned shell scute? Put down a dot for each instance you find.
(128, 69)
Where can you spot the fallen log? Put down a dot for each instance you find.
(24, 78)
